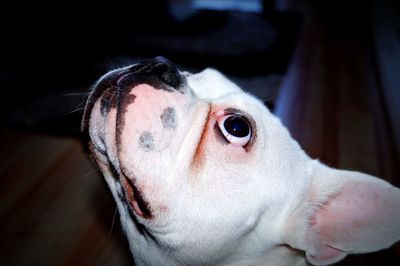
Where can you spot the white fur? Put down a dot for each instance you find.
(272, 205)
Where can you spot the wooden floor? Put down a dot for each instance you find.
(54, 207)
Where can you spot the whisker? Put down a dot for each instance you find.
(86, 184)
(76, 110)
(112, 223)
(73, 94)
(89, 172)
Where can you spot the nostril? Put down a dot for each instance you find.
(169, 74)
(167, 71)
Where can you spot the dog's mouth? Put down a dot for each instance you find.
(134, 198)
(113, 95)
(129, 195)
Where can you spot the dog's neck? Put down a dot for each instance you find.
(244, 255)
(278, 256)
(281, 256)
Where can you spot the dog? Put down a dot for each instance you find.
(204, 174)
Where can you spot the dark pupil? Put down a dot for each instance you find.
(237, 126)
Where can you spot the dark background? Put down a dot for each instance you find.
(50, 52)
(312, 53)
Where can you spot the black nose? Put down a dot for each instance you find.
(162, 68)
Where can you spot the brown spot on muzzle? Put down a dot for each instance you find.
(146, 141)
(169, 118)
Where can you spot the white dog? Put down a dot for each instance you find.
(204, 174)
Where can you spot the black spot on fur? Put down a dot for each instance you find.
(146, 141)
(168, 118)
(125, 98)
(103, 84)
(108, 100)
(134, 79)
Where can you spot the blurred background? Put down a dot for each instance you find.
(329, 69)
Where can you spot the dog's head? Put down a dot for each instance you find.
(203, 173)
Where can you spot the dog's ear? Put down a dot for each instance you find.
(344, 212)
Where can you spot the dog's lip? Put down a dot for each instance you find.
(109, 80)
(134, 198)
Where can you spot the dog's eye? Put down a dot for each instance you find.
(236, 129)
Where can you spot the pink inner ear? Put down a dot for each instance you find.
(354, 209)
(360, 217)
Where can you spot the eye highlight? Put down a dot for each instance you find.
(235, 128)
